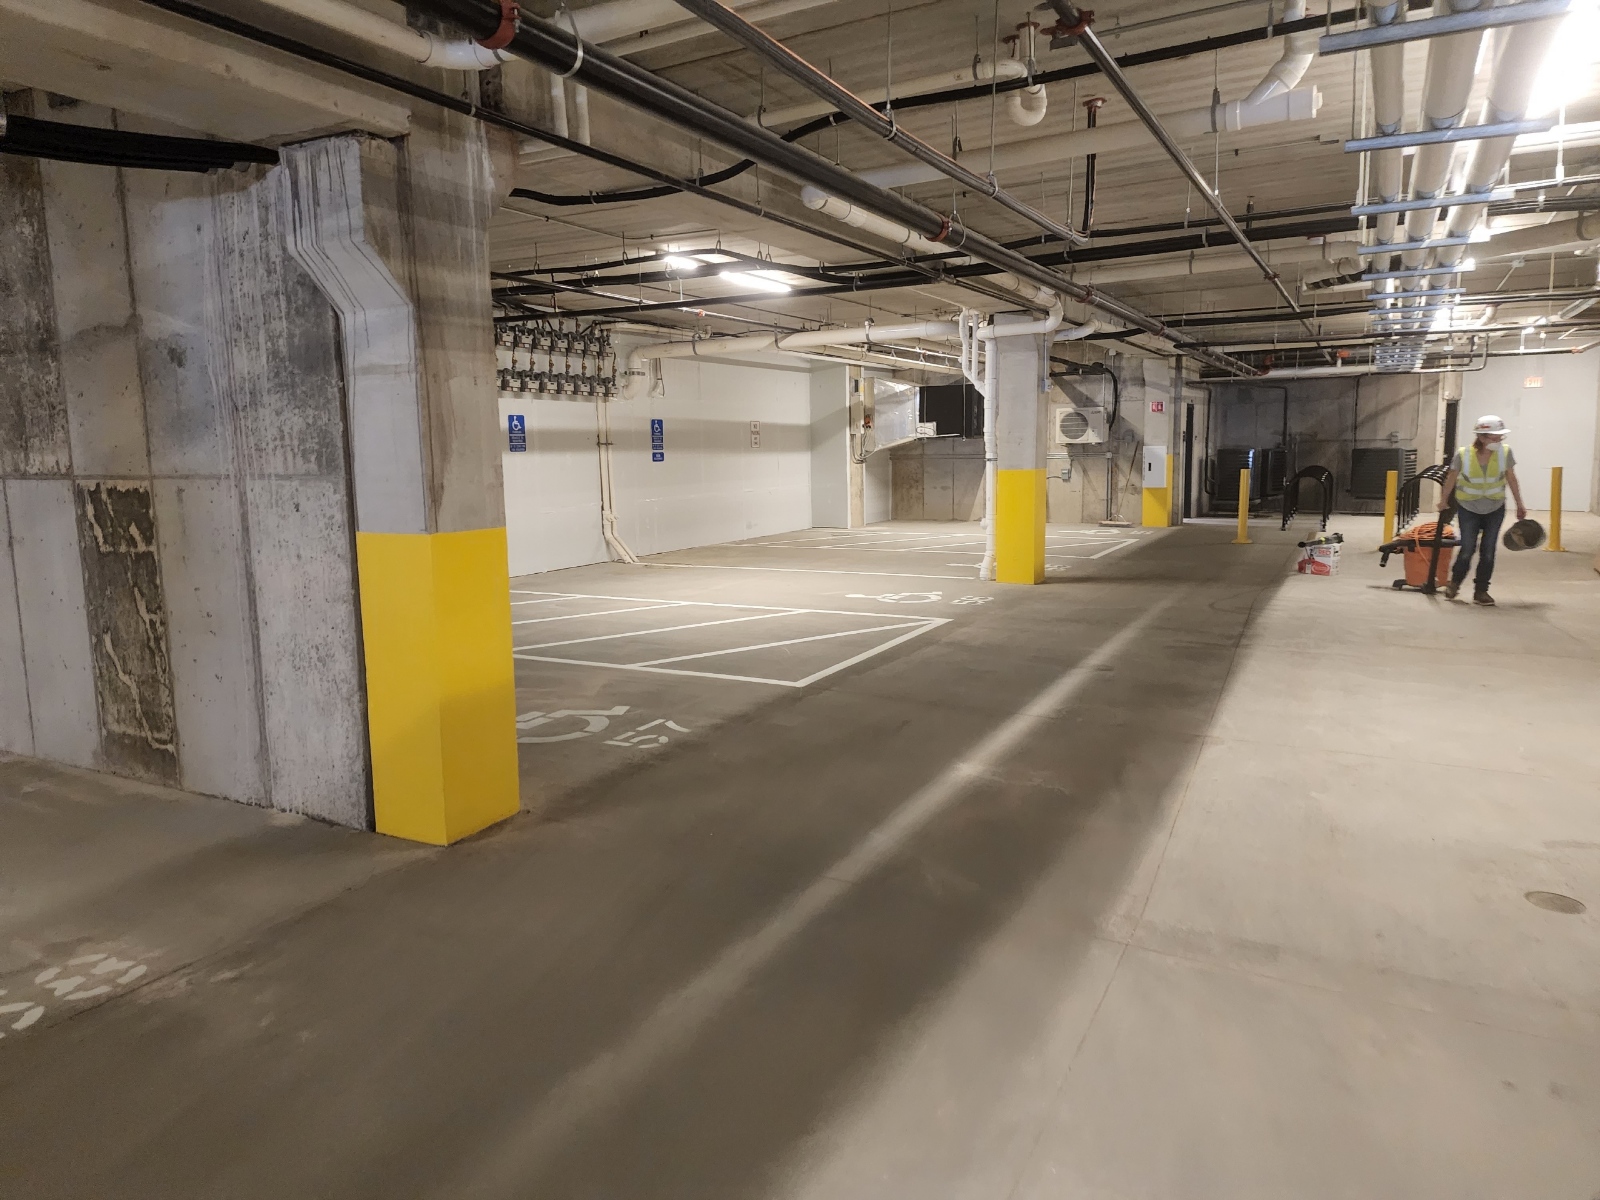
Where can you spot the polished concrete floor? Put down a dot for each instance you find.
(1181, 875)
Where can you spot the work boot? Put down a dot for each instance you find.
(1451, 589)
(1481, 596)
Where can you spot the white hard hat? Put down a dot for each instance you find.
(1491, 426)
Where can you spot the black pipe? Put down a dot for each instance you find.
(489, 116)
(775, 54)
(1092, 107)
(553, 47)
(63, 142)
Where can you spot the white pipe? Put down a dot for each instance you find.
(1298, 105)
(1388, 111)
(1049, 324)
(1452, 62)
(363, 26)
(1510, 90)
(1298, 51)
(991, 455)
(891, 231)
(1026, 106)
(558, 105)
(608, 507)
(580, 103)
(1329, 254)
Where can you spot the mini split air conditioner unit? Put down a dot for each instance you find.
(1077, 425)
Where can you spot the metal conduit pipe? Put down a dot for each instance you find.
(1078, 22)
(546, 43)
(1300, 104)
(976, 73)
(368, 27)
(777, 55)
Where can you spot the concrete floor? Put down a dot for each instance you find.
(1181, 875)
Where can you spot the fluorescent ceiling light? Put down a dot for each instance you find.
(763, 281)
(1567, 73)
(676, 262)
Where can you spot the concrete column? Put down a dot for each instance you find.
(1020, 444)
(251, 523)
(394, 235)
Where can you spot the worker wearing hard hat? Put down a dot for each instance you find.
(1478, 478)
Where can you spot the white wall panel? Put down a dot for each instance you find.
(1552, 425)
(830, 448)
(552, 489)
(711, 486)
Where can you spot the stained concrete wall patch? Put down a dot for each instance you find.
(33, 407)
(127, 630)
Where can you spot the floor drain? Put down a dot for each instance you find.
(1556, 902)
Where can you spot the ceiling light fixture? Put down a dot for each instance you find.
(765, 281)
(1567, 73)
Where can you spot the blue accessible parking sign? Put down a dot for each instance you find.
(517, 431)
(658, 440)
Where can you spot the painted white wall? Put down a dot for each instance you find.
(712, 486)
(1551, 425)
(552, 490)
(830, 448)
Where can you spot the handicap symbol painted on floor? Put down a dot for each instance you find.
(594, 721)
(900, 597)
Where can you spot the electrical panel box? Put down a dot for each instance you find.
(1155, 466)
(1077, 425)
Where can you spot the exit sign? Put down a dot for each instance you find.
(1533, 381)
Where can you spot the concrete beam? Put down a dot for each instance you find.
(128, 56)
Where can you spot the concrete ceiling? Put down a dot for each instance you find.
(861, 43)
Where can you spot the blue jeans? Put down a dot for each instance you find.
(1473, 527)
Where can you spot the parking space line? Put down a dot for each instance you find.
(817, 637)
(929, 623)
(584, 662)
(606, 637)
(809, 571)
(778, 608)
(609, 612)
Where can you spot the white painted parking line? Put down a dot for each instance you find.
(903, 625)
(607, 637)
(816, 637)
(604, 612)
(807, 571)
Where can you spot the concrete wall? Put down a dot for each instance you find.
(938, 479)
(1553, 424)
(1328, 418)
(1076, 489)
(176, 579)
(712, 486)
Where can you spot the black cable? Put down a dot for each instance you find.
(63, 142)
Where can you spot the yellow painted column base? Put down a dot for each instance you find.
(1156, 512)
(441, 693)
(1019, 511)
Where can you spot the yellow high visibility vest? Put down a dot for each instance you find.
(1482, 481)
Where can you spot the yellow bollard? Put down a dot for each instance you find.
(1555, 511)
(1391, 503)
(1244, 508)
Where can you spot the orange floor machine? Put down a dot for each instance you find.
(1423, 545)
